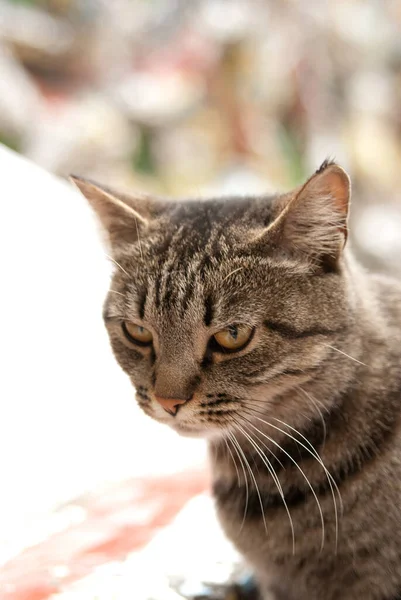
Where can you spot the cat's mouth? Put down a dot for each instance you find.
(180, 425)
(188, 423)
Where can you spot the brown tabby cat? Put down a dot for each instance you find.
(245, 321)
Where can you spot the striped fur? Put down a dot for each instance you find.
(303, 423)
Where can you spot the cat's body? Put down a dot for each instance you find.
(362, 452)
(245, 322)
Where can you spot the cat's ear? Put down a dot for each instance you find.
(124, 218)
(312, 221)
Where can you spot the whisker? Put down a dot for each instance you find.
(315, 404)
(117, 264)
(139, 239)
(254, 480)
(232, 273)
(316, 455)
(233, 440)
(115, 292)
(345, 354)
(265, 460)
(300, 470)
(276, 480)
(235, 464)
(331, 481)
(313, 452)
(262, 404)
(270, 451)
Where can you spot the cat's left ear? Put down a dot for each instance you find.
(124, 218)
(312, 222)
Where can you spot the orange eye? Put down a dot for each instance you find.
(137, 333)
(233, 337)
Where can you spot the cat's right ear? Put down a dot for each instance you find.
(124, 218)
(311, 222)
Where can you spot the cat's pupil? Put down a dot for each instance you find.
(233, 332)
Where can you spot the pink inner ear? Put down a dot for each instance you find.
(338, 184)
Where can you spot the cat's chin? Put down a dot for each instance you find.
(189, 430)
(196, 432)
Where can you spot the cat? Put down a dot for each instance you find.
(248, 322)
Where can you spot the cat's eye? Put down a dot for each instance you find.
(233, 337)
(137, 334)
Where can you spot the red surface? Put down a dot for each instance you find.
(118, 521)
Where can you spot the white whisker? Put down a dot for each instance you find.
(265, 460)
(314, 453)
(270, 452)
(235, 464)
(345, 354)
(315, 404)
(300, 470)
(332, 482)
(139, 239)
(254, 480)
(276, 480)
(311, 451)
(232, 439)
(232, 273)
(116, 263)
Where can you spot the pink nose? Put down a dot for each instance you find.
(170, 405)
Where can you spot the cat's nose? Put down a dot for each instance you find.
(170, 405)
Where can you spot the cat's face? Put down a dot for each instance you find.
(212, 310)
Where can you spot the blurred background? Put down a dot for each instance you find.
(173, 97)
(193, 97)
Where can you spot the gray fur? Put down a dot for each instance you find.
(324, 361)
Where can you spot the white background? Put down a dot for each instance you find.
(68, 420)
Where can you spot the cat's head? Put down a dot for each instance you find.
(218, 303)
